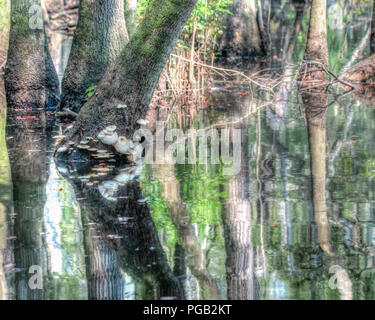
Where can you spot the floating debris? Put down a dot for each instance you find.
(62, 149)
(122, 106)
(83, 146)
(142, 122)
(144, 200)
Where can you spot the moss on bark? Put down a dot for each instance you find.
(131, 81)
(98, 40)
(30, 77)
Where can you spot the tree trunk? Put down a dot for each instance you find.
(27, 153)
(316, 123)
(317, 45)
(30, 77)
(131, 81)
(104, 278)
(131, 16)
(312, 73)
(61, 22)
(241, 37)
(135, 242)
(237, 223)
(361, 72)
(99, 38)
(372, 38)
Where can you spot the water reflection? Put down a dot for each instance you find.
(284, 227)
(297, 221)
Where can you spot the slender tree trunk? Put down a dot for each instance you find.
(131, 81)
(98, 40)
(317, 45)
(316, 123)
(312, 74)
(238, 228)
(131, 16)
(30, 77)
(372, 38)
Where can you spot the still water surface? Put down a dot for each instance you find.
(276, 230)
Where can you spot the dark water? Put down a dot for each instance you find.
(275, 230)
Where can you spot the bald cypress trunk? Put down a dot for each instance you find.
(30, 77)
(98, 40)
(132, 80)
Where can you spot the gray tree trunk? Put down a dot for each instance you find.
(132, 80)
(242, 36)
(372, 39)
(30, 77)
(98, 40)
(317, 45)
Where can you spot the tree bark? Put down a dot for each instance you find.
(104, 278)
(99, 38)
(242, 36)
(131, 81)
(131, 16)
(312, 73)
(317, 45)
(372, 37)
(361, 72)
(30, 77)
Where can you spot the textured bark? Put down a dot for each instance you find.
(241, 37)
(317, 46)
(372, 37)
(316, 123)
(238, 230)
(131, 81)
(104, 278)
(30, 77)
(361, 72)
(312, 74)
(5, 180)
(131, 16)
(98, 40)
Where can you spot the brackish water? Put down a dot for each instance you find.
(188, 231)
